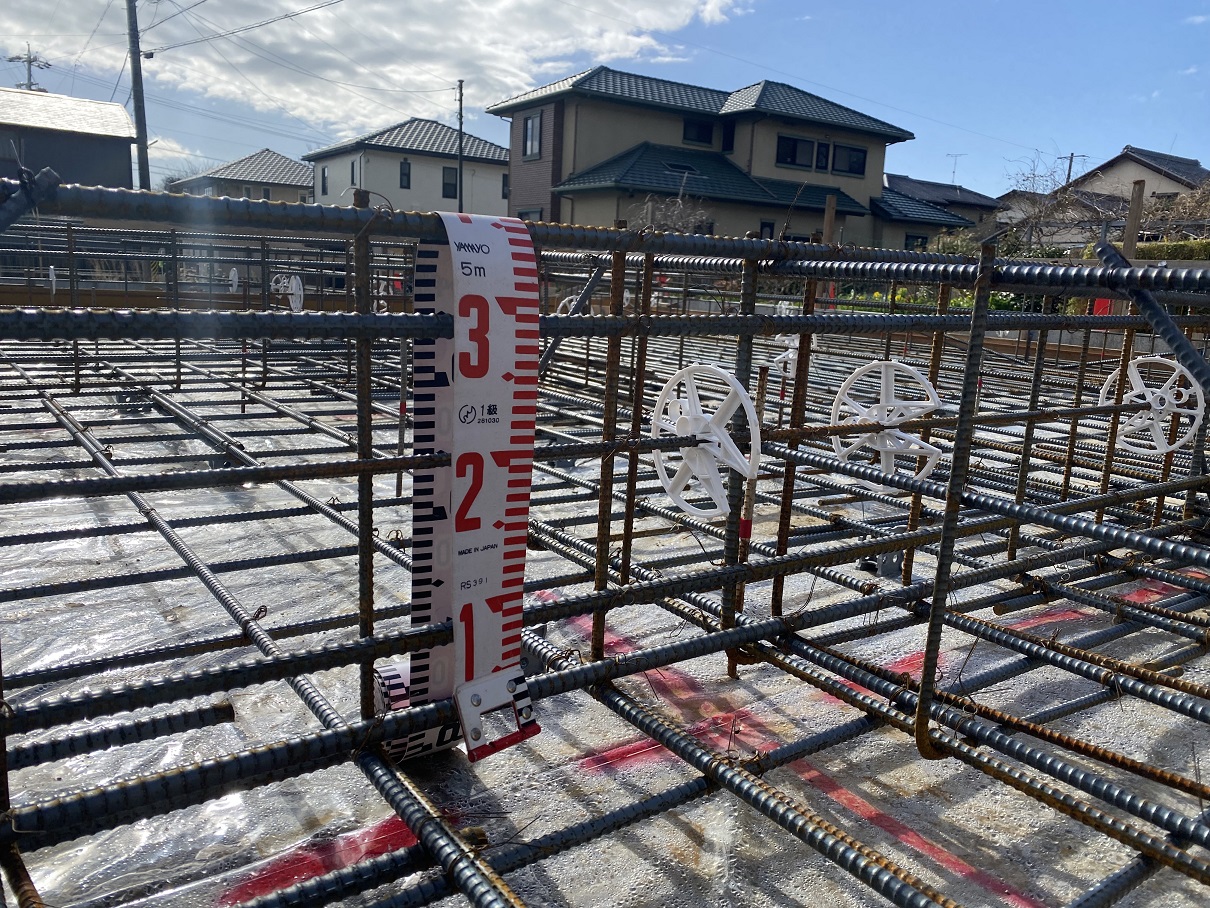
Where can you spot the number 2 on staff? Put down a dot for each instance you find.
(477, 366)
(468, 462)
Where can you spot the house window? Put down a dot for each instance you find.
(766, 230)
(405, 174)
(821, 156)
(265, 194)
(794, 152)
(531, 137)
(698, 132)
(323, 181)
(246, 192)
(914, 242)
(729, 137)
(304, 196)
(504, 185)
(848, 159)
(449, 182)
(530, 214)
(352, 173)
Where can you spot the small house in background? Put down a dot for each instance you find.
(903, 222)
(1167, 175)
(414, 164)
(264, 175)
(85, 142)
(975, 207)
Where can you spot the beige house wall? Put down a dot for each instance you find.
(595, 131)
(764, 158)
(1119, 180)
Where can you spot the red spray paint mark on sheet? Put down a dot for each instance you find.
(745, 732)
(910, 837)
(316, 858)
(911, 664)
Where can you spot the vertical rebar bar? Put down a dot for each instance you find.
(798, 409)
(365, 451)
(917, 507)
(1073, 426)
(637, 404)
(737, 482)
(613, 358)
(959, 465)
(1027, 443)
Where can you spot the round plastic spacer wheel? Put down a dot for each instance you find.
(697, 467)
(887, 393)
(1171, 395)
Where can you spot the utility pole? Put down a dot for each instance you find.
(1071, 159)
(136, 94)
(30, 59)
(459, 146)
(954, 174)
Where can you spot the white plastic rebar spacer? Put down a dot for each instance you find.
(1171, 395)
(902, 393)
(675, 415)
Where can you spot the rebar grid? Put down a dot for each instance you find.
(269, 450)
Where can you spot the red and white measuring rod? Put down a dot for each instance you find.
(475, 398)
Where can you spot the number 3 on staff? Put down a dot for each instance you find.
(478, 306)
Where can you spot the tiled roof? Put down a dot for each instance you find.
(421, 137)
(895, 206)
(787, 101)
(669, 170)
(939, 193)
(765, 97)
(1185, 170)
(42, 110)
(811, 196)
(602, 80)
(265, 166)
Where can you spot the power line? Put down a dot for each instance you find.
(243, 28)
(265, 54)
(180, 11)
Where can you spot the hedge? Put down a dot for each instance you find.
(1177, 251)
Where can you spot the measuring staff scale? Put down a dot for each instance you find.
(475, 399)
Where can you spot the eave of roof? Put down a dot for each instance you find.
(422, 137)
(895, 206)
(265, 166)
(61, 113)
(766, 98)
(669, 170)
(939, 193)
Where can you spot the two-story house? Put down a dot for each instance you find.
(414, 164)
(263, 175)
(605, 145)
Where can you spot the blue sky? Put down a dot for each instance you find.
(991, 89)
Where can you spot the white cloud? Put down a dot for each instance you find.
(1189, 71)
(364, 64)
(1197, 20)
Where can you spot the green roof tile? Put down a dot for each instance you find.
(774, 98)
(895, 206)
(669, 170)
